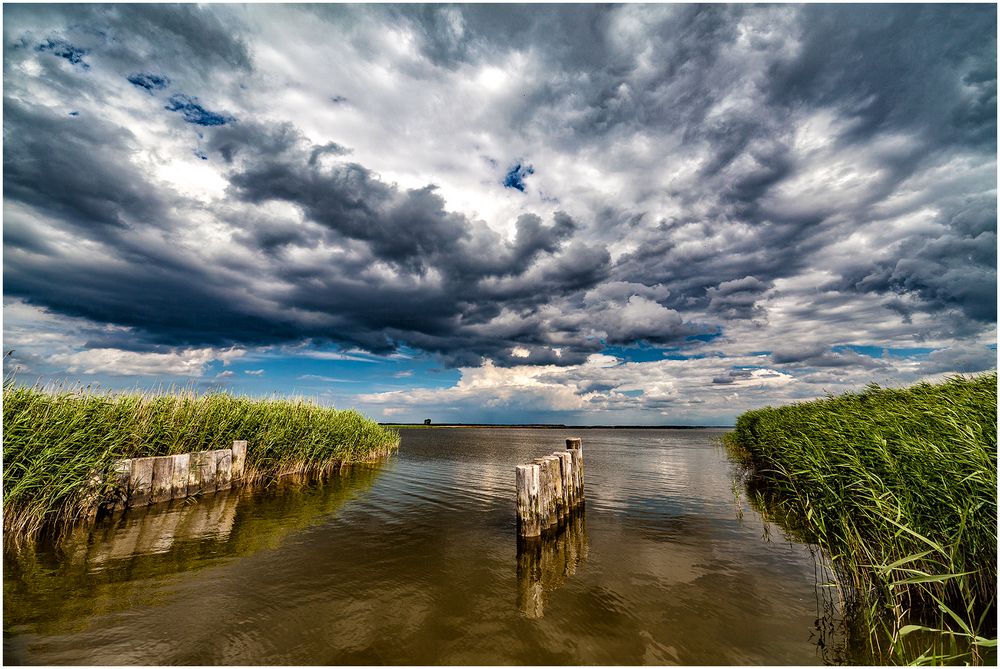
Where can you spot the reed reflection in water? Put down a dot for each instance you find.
(94, 570)
(544, 562)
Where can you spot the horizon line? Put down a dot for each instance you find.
(561, 425)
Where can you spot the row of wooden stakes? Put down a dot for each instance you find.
(549, 489)
(143, 481)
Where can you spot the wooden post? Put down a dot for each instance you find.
(122, 474)
(576, 444)
(223, 469)
(577, 482)
(239, 459)
(545, 500)
(566, 469)
(163, 479)
(182, 470)
(140, 481)
(555, 481)
(201, 478)
(529, 523)
(194, 473)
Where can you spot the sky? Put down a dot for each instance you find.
(580, 214)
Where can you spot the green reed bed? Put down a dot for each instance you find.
(54, 442)
(899, 488)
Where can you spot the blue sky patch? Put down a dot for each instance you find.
(63, 49)
(333, 379)
(640, 353)
(194, 112)
(877, 351)
(515, 176)
(705, 337)
(149, 82)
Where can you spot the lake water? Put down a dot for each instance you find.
(416, 561)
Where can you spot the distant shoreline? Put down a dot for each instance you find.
(551, 426)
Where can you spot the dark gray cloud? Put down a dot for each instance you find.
(935, 70)
(697, 165)
(819, 355)
(76, 170)
(737, 299)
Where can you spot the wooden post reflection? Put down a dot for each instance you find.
(544, 562)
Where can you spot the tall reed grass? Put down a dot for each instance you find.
(55, 441)
(899, 487)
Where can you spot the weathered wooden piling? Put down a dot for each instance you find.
(223, 469)
(528, 507)
(548, 509)
(559, 489)
(201, 477)
(239, 459)
(150, 480)
(566, 471)
(576, 481)
(141, 481)
(576, 444)
(121, 475)
(163, 480)
(558, 508)
(182, 469)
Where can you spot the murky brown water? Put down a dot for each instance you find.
(416, 562)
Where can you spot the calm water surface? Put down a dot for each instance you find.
(416, 562)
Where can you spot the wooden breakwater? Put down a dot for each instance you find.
(549, 489)
(150, 480)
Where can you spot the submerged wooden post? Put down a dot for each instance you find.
(577, 476)
(121, 474)
(239, 459)
(163, 479)
(545, 501)
(566, 469)
(529, 521)
(140, 481)
(576, 444)
(179, 481)
(223, 469)
(201, 477)
(556, 512)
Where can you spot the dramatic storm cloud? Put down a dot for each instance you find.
(611, 214)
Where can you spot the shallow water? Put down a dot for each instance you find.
(416, 561)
